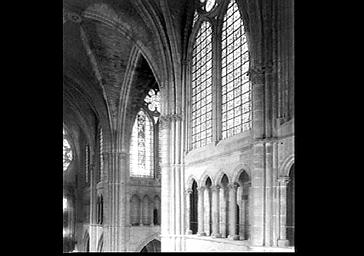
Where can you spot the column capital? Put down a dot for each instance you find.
(201, 189)
(189, 191)
(215, 187)
(232, 186)
(283, 180)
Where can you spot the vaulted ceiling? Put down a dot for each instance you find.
(109, 45)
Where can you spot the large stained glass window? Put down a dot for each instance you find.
(235, 85)
(202, 87)
(141, 147)
(67, 152)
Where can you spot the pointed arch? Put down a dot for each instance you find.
(204, 178)
(239, 169)
(190, 181)
(235, 80)
(220, 175)
(286, 165)
(142, 146)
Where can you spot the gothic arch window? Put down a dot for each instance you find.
(220, 85)
(144, 138)
(202, 87)
(67, 151)
(235, 84)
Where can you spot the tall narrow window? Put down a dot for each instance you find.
(101, 148)
(236, 87)
(141, 147)
(202, 87)
(87, 164)
(67, 151)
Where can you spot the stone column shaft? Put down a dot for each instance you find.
(207, 216)
(222, 212)
(232, 212)
(141, 212)
(283, 242)
(188, 210)
(215, 211)
(201, 211)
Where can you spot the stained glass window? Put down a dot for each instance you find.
(209, 5)
(236, 87)
(153, 100)
(65, 204)
(202, 87)
(67, 152)
(101, 149)
(87, 163)
(141, 147)
(195, 17)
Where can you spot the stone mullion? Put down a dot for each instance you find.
(216, 78)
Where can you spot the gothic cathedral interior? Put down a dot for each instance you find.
(178, 126)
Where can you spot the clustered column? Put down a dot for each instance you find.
(223, 215)
(283, 181)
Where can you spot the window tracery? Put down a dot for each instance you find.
(222, 100)
(67, 151)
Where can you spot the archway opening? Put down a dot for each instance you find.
(224, 207)
(243, 202)
(152, 246)
(290, 207)
(193, 209)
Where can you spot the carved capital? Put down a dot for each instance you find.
(283, 180)
(71, 16)
(189, 191)
(200, 189)
(215, 188)
(233, 186)
(175, 117)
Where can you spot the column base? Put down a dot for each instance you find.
(189, 232)
(283, 243)
(233, 237)
(217, 235)
(202, 234)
